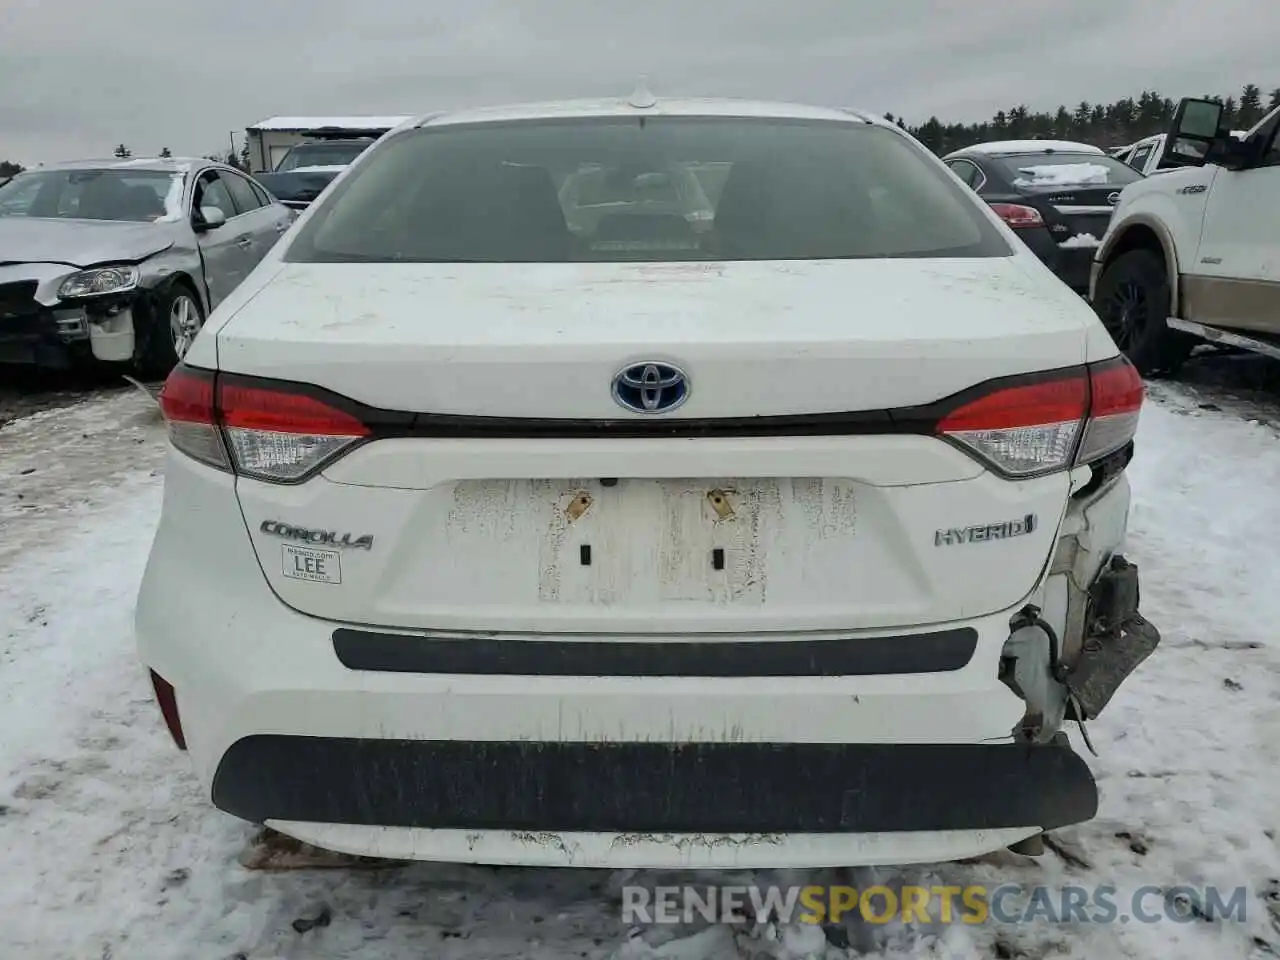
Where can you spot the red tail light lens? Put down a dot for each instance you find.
(1023, 430)
(187, 402)
(1117, 394)
(1017, 216)
(255, 429)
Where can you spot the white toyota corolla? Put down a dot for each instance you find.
(782, 530)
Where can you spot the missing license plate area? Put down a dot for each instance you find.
(646, 541)
(310, 564)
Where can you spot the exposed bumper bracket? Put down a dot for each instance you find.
(1117, 640)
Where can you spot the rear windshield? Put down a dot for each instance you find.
(660, 189)
(1057, 170)
(321, 155)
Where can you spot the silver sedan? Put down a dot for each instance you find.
(122, 260)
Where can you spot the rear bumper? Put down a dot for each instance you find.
(842, 763)
(1071, 264)
(1074, 265)
(686, 788)
(1042, 244)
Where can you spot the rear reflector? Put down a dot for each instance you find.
(168, 702)
(1023, 430)
(1017, 216)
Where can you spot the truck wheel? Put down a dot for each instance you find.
(176, 319)
(1132, 300)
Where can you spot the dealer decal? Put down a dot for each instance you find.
(308, 563)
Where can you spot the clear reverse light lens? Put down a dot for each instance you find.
(1022, 451)
(268, 455)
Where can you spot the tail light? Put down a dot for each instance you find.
(1050, 424)
(272, 432)
(187, 402)
(1116, 391)
(281, 436)
(1018, 216)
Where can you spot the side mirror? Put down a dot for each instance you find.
(210, 219)
(1194, 130)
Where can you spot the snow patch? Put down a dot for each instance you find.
(343, 123)
(1062, 175)
(1080, 240)
(1035, 146)
(173, 207)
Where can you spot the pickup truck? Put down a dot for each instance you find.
(308, 168)
(1147, 155)
(1193, 255)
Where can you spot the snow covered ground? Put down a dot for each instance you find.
(110, 853)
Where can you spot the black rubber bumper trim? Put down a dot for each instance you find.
(938, 652)
(655, 787)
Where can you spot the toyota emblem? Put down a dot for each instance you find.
(650, 387)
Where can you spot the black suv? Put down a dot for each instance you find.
(1057, 195)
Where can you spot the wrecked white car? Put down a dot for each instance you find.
(122, 260)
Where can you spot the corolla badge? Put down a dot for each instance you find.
(650, 387)
(323, 538)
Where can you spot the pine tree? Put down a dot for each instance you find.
(165, 153)
(123, 152)
(930, 134)
(1250, 106)
(1062, 124)
(1080, 119)
(9, 169)
(1229, 113)
(1275, 99)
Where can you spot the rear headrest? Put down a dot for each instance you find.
(499, 210)
(104, 197)
(792, 211)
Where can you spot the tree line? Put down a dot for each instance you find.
(1104, 125)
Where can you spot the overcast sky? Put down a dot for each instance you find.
(79, 76)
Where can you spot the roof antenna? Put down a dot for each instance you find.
(641, 98)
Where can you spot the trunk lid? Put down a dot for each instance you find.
(653, 535)
(755, 338)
